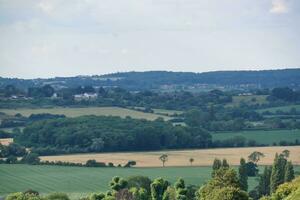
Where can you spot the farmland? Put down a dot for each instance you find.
(281, 108)
(260, 136)
(78, 181)
(75, 112)
(251, 99)
(177, 158)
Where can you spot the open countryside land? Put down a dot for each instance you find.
(81, 181)
(261, 136)
(202, 157)
(76, 112)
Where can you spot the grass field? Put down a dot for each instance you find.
(252, 99)
(79, 181)
(203, 157)
(282, 108)
(75, 112)
(261, 137)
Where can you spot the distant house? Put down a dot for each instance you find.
(85, 96)
(54, 96)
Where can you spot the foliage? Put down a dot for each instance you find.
(243, 176)
(58, 196)
(163, 158)
(139, 182)
(255, 156)
(93, 134)
(118, 183)
(181, 191)
(158, 188)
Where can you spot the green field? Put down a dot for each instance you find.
(281, 108)
(261, 137)
(75, 112)
(78, 181)
(252, 99)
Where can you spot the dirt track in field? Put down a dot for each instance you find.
(202, 157)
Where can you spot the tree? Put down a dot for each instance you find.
(243, 177)
(255, 156)
(191, 161)
(289, 174)
(278, 172)
(225, 163)
(158, 188)
(216, 165)
(286, 153)
(31, 158)
(139, 193)
(224, 185)
(181, 191)
(163, 158)
(59, 196)
(263, 187)
(118, 183)
(139, 182)
(97, 144)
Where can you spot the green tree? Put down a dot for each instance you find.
(224, 185)
(286, 153)
(216, 165)
(118, 183)
(289, 174)
(255, 156)
(163, 158)
(243, 177)
(264, 182)
(31, 158)
(158, 188)
(225, 163)
(97, 196)
(59, 196)
(139, 182)
(181, 191)
(139, 193)
(191, 161)
(278, 172)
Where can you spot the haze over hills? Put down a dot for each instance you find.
(172, 80)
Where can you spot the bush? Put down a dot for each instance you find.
(57, 196)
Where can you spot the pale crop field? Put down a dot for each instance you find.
(76, 112)
(6, 141)
(202, 157)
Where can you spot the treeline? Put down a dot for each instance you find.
(108, 134)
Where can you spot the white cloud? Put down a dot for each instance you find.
(279, 7)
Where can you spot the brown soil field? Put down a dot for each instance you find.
(203, 157)
(6, 141)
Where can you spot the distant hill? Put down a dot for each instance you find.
(165, 79)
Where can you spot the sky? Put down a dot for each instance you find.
(48, 38)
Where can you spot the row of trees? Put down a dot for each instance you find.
(102, 134)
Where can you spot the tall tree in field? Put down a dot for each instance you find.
(191, 161)
(286, 153)
(158, 188)
(163, 158)
(289, 172)
(216, 165)
(243, 177)
(264, 182)
(278, 172)
(255, 156)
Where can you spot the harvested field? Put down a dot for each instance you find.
(6, 141)
(203, 157)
